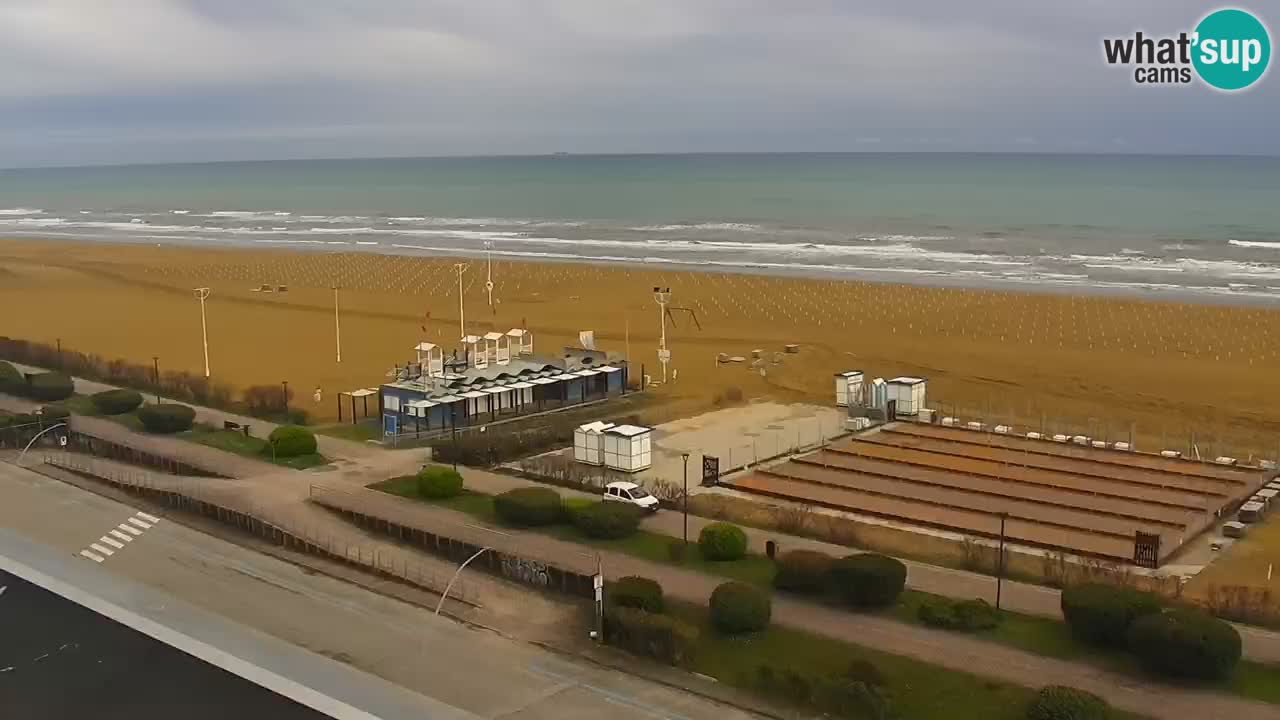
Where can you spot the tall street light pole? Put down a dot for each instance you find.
(684, 499)
(337, 329)
(1000, 560)
(155, 365)
(203, 294)
(284, 394)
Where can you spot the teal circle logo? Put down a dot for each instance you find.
(1232, 49)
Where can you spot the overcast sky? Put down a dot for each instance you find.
(123, 81)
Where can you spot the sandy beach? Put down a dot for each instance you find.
(1090, 364)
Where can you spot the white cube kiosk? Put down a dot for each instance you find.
(628, 448)
(588, 443)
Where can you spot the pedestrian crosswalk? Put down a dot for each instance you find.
(118, 537)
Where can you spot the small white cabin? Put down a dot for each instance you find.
(848, 388)
(908, 394)
(628, 448)
(588, 443)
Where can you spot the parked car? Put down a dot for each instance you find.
(629, 492)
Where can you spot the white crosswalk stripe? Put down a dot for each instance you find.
(129, 529)
(148, 518)
(122, 536)
(102, 550)
(140, 523)
(113, 543)
(92, 556)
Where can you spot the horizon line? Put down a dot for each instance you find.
(709, 153)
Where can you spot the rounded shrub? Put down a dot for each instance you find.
(116, 402)
(50, 386)
(167, 418)
(292, 441)
(54, 413)
(438, 482)
(529, 506)
(11, 379)
(803, 571)
(868, 579)
(1101, 614)
(1187, 644)
(608, 520)
(637, 592)
(737, 607)
(968, 615)
(1058, 702)
(722, 541)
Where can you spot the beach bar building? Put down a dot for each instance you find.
(497, 377)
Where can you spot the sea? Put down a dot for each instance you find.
(1206, 227)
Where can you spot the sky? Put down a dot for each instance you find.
(140, 81)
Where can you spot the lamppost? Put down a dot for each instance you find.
(453, 422)
(155, 366)
(284, 394)
(203, 294)
(684, 498)
(1000, 560)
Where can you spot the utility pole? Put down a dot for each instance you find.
(337, 329)
(155, 364)
(284, 396)
(488, 283)
(684, 498)
(203, 294)
(1000, 560)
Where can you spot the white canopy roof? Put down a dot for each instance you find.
(422, 404)
(363, 392)
(545, 380)
(609, 369)
(521, 385)
(496, 390)
(424, 347)
(493, 336)
(473, 394)
(587, 373)
(447, 399)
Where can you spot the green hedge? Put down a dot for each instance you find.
(660, 637)
(737, 607)
(722, 541)
(529, 507)
(50, 386)
(292, 441)
(437, 482)
(11, 380)
(967, 615)
(1058, 702)
(608, 520)
(116, 402)
(637, 592)
(868, 579)
(167, 418)
(803, 571)
(841, 696)
(1101, 614)
(1185, 644)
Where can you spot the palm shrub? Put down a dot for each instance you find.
(722, 541)
(437, 482)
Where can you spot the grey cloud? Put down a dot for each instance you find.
(167, 80)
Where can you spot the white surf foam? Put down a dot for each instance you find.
(1255, 244)
(20, 211)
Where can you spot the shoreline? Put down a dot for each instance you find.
(1152, 292)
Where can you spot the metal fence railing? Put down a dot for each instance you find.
(190, 495)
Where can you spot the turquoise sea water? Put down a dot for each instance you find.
(1198, 225)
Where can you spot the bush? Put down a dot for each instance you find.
(116, 402)
(11, 380)
(968, 615)
(1101, 614)
(529, 507)
(722, 541)
(850, 698)
(660, 637)
(292, 441)
(803, 571)
(868, 579)
(50, 414)
(50, 386)
(866, 672)
(167, 418)
(438, 482)
(737, 607)
(637, 592)
(1185, 644)
(608, 520)
(1057, 702)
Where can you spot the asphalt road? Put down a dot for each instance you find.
(475, 670)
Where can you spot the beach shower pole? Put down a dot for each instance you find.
(337, 329)
(662, 296)
(488, 258)
(462, 316)
(203, 294)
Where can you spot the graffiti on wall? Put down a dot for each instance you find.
(530, 572)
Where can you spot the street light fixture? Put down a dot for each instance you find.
(203, 294)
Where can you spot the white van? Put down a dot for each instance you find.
(629, 492)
